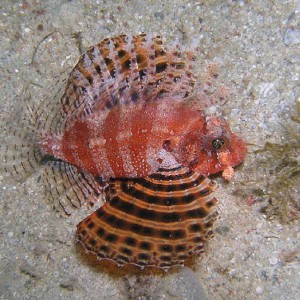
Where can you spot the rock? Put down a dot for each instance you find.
(291, 37)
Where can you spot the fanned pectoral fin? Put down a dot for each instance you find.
(160, 220)
(68, 188)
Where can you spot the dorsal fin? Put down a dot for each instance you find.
(125, 69)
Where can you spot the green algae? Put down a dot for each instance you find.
(276, 181)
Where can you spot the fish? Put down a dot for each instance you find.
(132, 131)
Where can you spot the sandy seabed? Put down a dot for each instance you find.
(258, 43)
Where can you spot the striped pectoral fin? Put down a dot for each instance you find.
(68, 188)
(160, 220)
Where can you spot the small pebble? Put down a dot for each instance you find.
(10, 234)
(222, 230)
(298, 104)
(273, 260)
(40, 27)
(291, 37)
(259, 290)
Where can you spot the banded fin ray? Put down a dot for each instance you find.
(160, 220)
(125, 69)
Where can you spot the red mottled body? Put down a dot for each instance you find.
(127, 141)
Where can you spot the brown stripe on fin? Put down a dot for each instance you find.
(68, 189)
(48, 114)
(19, 155)
(156, 226)
(125, 69)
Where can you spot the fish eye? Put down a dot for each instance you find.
(217, 143)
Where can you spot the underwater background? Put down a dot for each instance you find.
(256, 249)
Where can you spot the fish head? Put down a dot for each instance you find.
(218, 148)
(210, 147)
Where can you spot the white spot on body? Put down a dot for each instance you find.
(123, 137)
(168, 161)
(97, 143)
